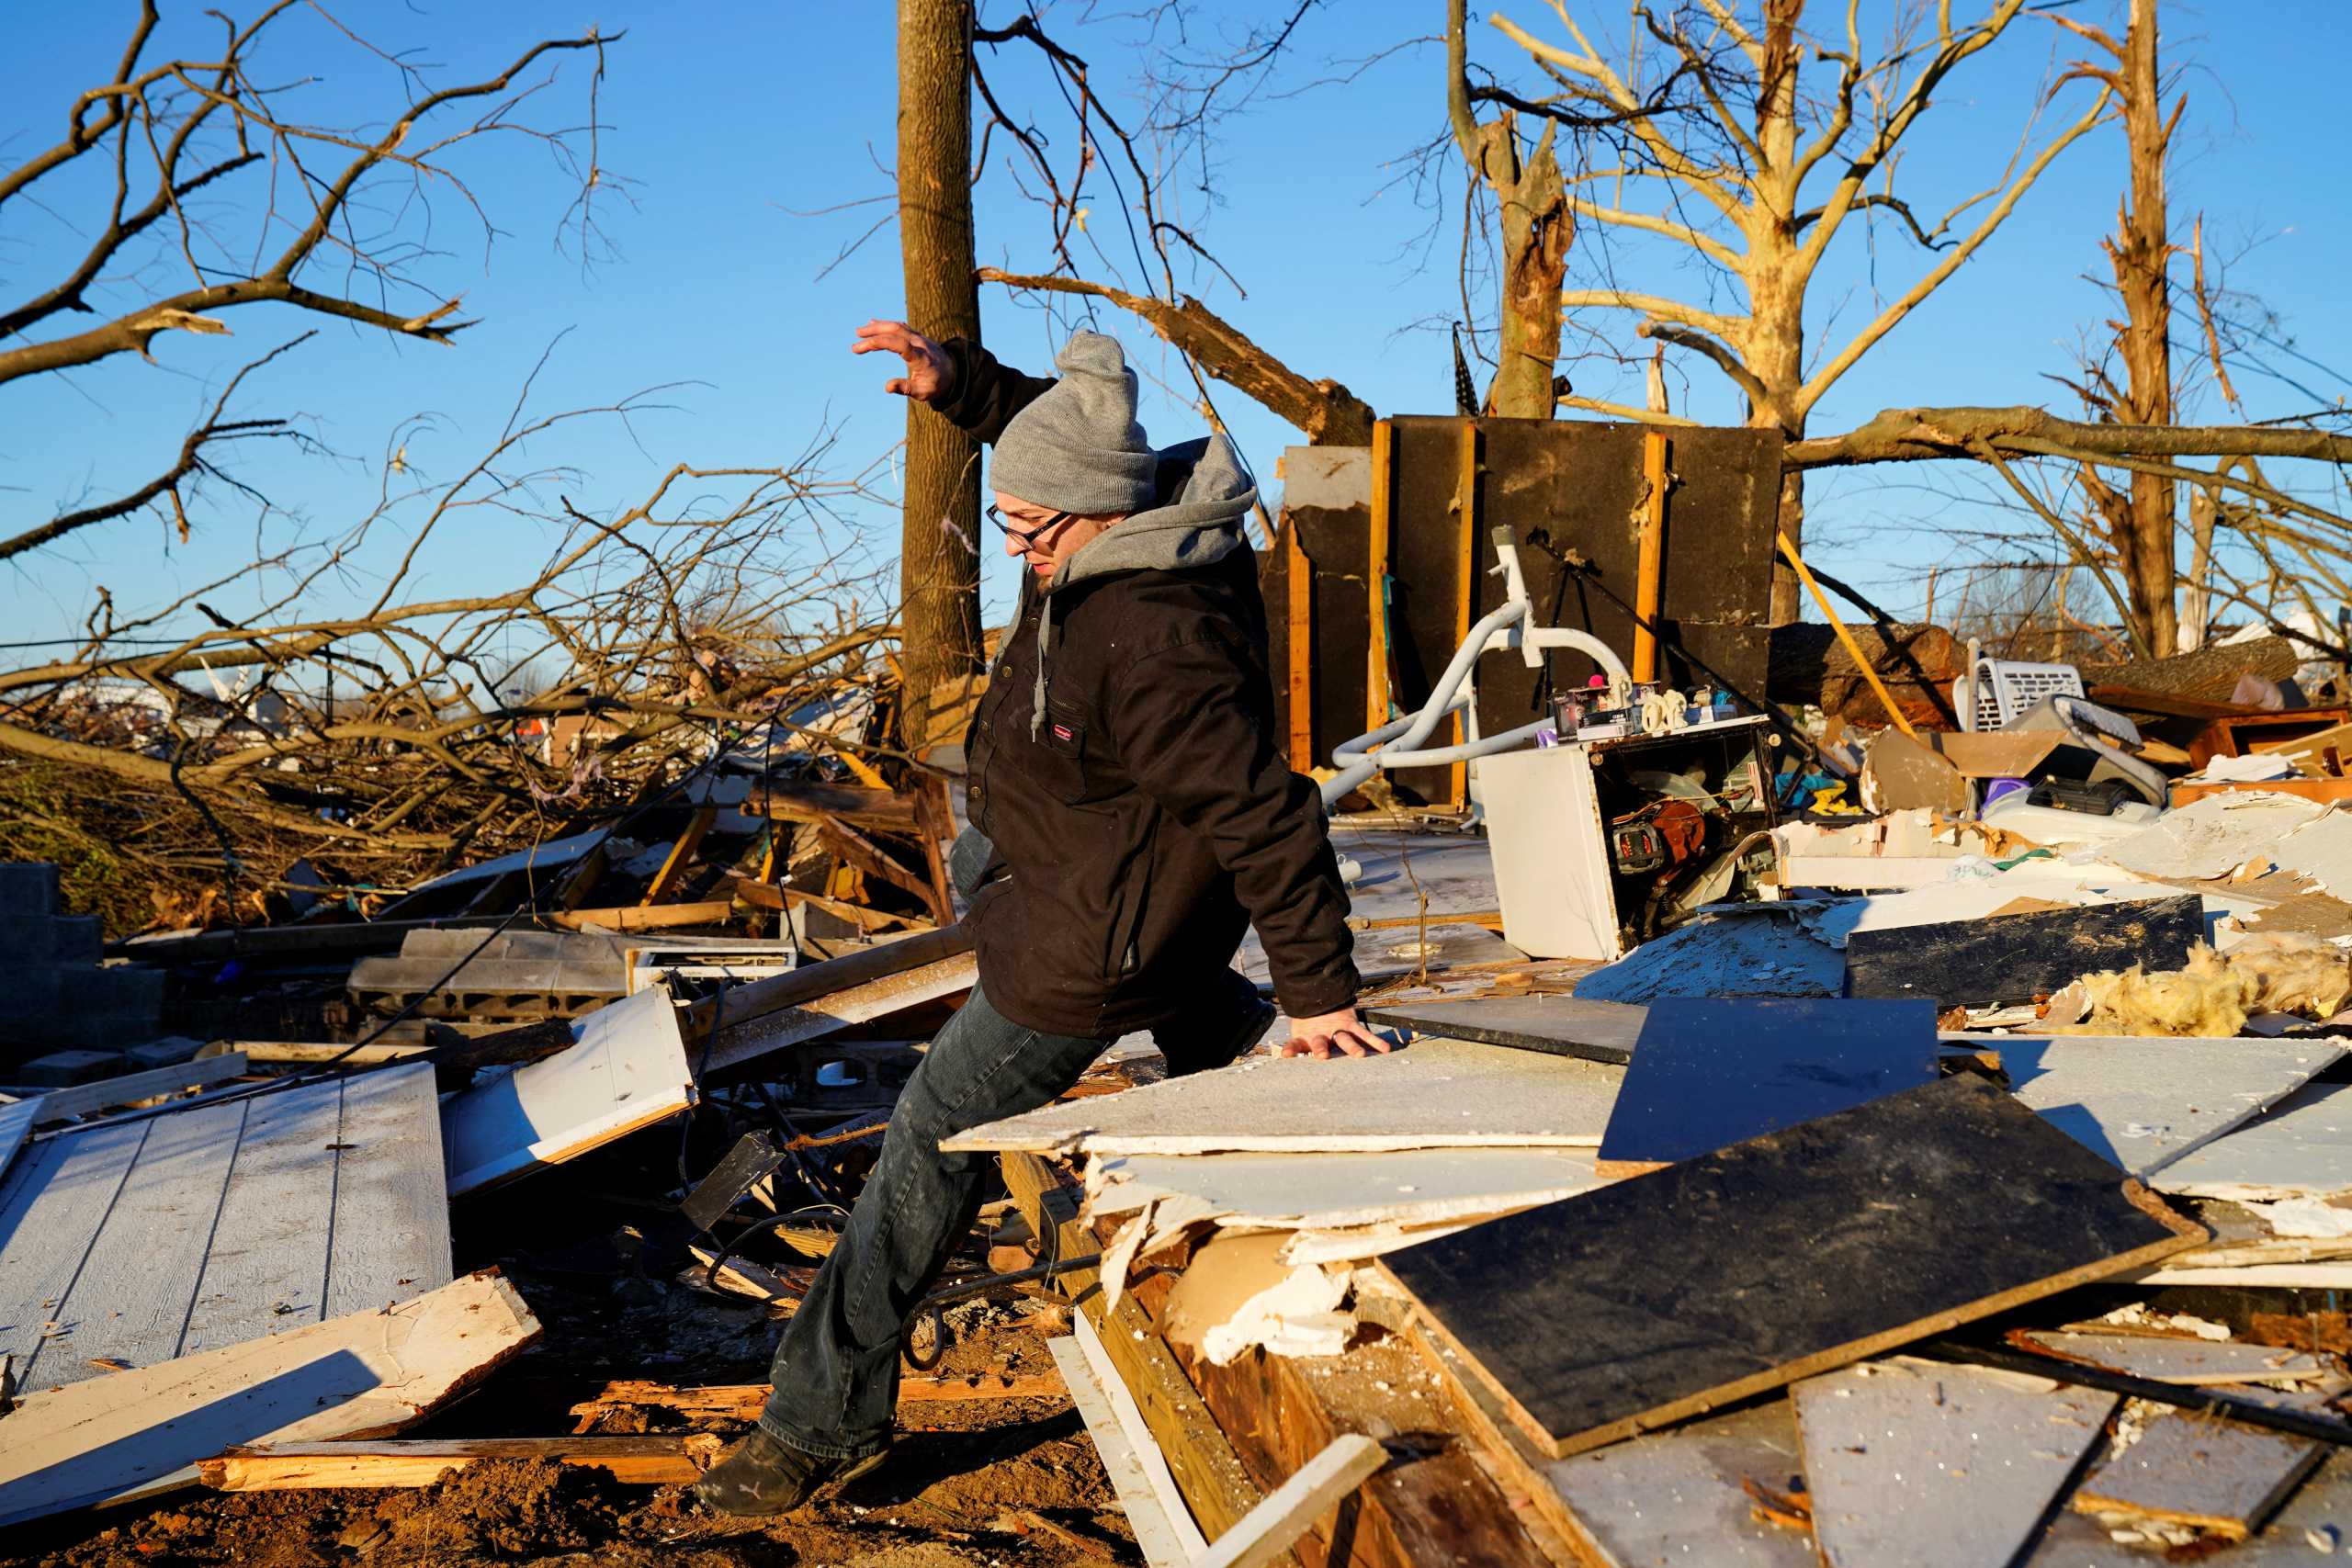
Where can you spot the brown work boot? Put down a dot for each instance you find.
(764, 1477)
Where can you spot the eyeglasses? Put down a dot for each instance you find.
(1025, 537)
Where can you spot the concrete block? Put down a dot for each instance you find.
(62, 1069)
(129, 990)
(51, 939)
(168, 1052)
(27, 887)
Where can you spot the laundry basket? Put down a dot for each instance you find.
(2006, 687)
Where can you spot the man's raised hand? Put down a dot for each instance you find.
(929, 370)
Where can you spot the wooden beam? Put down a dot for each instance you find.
(65, 1104)
(640, 1459)
(681, 856)
(1299, 582)
(856, 848)
(1465, 507)
(1323, 1483)
(1376, 673)
(743, 1402)
(640, 918)
(1209, 1474)
(310, 1051)
(887, 810)
(1854, 649)
(1649, 555)
(756, 998)
(766, 896)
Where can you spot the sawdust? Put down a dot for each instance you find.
(2285, 972)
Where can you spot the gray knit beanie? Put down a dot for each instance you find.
(1078, 447)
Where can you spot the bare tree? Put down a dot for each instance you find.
(194, 186)
(939, 563)
(2139, 518)
(1752, 146)
(1536, 228)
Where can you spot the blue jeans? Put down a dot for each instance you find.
(836, 1373)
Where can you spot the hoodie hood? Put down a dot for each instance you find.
(1199, 527)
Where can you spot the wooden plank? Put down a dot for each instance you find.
(1927, 1210)
(2016, 958)
(2148, 1101)
(1465, 508)
(637, 918)
(1649, 555)
(744, 1401)
(1127, 1419)
(681, 857)
(757, 999)
(369, 1374)
(1153, 1522)
(2219, 1476)
(1434, 1094)
(1267, 1530)
(628, 1071)
(1560, 1026)
(130, 1293)
(53, 1202)
(318, 1051)
(1412, 1187)
(65, 1104)
(742, 1050)
(1977, 1457)
(799, 800)
(389, 1238)
(2317, 1516)
(1375, 678)
(1216, 1488)
(1710, 1072)
(635, 1459)
(2171, 1358)
(1299, 641)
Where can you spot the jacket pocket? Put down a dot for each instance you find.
(1056, 757)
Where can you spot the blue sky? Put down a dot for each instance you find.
(739, 121)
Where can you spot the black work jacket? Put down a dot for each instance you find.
(1148, 819)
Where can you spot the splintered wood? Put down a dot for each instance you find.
(368, 1373)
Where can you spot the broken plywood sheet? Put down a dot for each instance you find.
(2192, 1469)
(1762, 950)
(1334, 1191)
(1676, 1496)
(1976, 1456)
(2164, 1358)
(626, 1069)
(1790, 1254)
(2317, 1519)
(1434, 1094)
(146, 1239)
(2014, 958)
(1559, 1026)
(2302, 1149)
(2213, 837)
(1713, 1072)
(2145, 1101)
(367, 1373)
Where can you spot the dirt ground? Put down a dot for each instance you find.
(1000, 1482)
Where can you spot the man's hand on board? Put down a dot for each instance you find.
(1341, 1033)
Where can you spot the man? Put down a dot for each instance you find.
(1130, 819)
